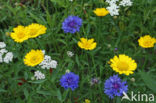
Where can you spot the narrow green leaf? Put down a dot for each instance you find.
(118, 100)
(59, 2)
(65, 95)
(77, 60)
(59, 96)
(44, 92)
(2, 90)
(26, 93)
(37, 81)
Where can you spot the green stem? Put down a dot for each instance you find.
(119, 32)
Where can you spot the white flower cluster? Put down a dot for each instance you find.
(70, 54)
(2, 45)
(111, 1)
(113, 8)
(126, 3)
(48, 63)
(39, 75)
(8, 55)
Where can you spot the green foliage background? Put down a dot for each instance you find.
(120, 32)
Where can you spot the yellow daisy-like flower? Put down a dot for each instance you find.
(87, 44)
(35, 30)
(123, 64)
(147, 41)
(33, 58)
(19, 35)
(101, 11)
(87, 101)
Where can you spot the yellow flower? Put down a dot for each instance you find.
(35, 30)
(147, 41)
(33, 58)
(101, 11)
(87, 44)
(87, 101)
(123, 64)
(19, 34)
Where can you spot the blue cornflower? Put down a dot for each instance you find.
(115, 87)
(72, 24)
(69, 80)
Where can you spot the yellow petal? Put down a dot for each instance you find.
(83, 40)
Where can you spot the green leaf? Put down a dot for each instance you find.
(149, 81)
(59, 2)
(65, 95)
(35, 17)
(95, 51)
(44, 92)
(155, 47)
(77, 60)
(26, 93)
(37, 81)
(62, 41)
(59, 96)
(69, 101)
(2, 90)
(118, 100)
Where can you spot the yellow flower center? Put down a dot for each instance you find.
(34, 59)
(123, 66)
(21, 35)
(87, 45)
(33, 32)
(147, 43)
